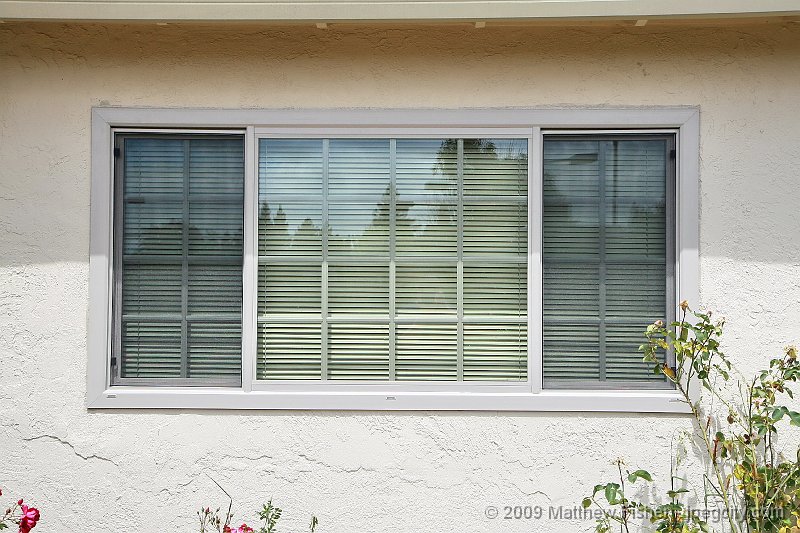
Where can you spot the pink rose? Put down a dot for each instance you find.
(30, 515)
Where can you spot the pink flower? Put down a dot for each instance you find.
(30, 515)
(244, 528)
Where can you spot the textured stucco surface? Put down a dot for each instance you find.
(361, 472)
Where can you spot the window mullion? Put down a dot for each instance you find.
(184, 372)
(324, 272)
(460, 264)
(602, 269)
(392, 264)
(250, 263)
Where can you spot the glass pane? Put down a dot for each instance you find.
(289, 288)
(495, 228)
(427, 288)
(151, 349)
(427, 167)
(358, 290)
(286, 228)
(394, 223)
(495, 352)
(290, 167)
(359, 228)
(181, 257)
(427, 352)
(427, 229)
(496, 167)
(358, 351)
(604, 256)
(359, 167)
(289, 351)
(495, 289)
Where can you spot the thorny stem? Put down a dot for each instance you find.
(624, 498)
(724, 493)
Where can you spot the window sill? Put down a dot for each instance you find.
(547, 401)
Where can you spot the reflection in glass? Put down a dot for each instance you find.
(374, 216)
(181, 257)
(604, 255)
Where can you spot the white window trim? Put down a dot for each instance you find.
(358, 122)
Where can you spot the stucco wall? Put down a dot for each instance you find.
(387, 472)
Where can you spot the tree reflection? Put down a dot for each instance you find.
(424, 222)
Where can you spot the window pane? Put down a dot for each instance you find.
(392, 222)
(358, 351)
(495, 228)
(427, 229)
(496, 167)
(358, 291)
(358, 229)
(289, 288)
(180, 259)
(495, 288)
(495, 352)
(289, 351)
(427, 167)
(427, 352)
(605, 256)
(427, 288)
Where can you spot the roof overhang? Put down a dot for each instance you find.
(389, 10)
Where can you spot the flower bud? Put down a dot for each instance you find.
(684, 305)
(791, 352)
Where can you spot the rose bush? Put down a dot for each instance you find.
(746, 476)
(21, 515)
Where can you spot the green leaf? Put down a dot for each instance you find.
(795, 418)
(586, 503)
(643, 474)
(611, 493)
(779, 413)
(674, 493)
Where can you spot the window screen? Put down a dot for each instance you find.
(178, 246)
(607, 256)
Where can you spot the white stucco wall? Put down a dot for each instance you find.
(361, 472)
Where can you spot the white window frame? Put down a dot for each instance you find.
(260, 123)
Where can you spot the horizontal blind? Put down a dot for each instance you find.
(180, 259)
(392, 259)
(605, 254)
